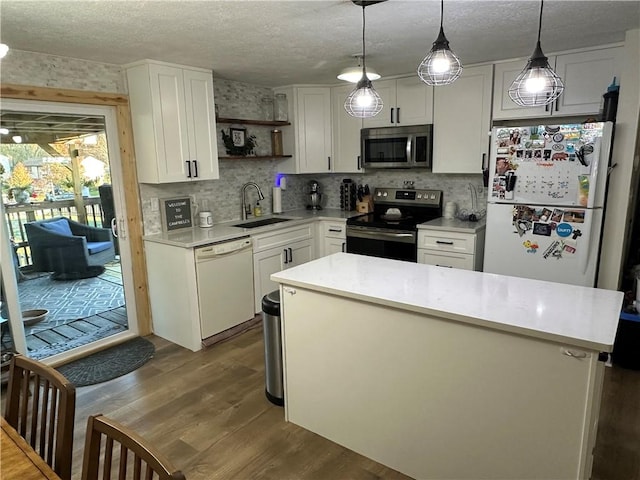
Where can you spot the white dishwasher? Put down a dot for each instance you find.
(225, 285)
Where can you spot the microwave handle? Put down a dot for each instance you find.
(410, 155)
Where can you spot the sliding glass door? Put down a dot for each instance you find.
(66, 264)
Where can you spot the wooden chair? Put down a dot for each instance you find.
(128, 466)
(41, 406)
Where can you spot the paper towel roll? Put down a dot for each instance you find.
(277, 200)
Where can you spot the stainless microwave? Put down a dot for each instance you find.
(409, 146)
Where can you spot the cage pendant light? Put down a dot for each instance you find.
(364, 101)
(441, 66)
(537, 84)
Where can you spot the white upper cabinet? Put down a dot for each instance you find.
(406, 101)
(309, 136)
(346, 133)
(462, 121)
(586, 76)
(173, 118)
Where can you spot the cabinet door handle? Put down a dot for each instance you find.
(336, 230)
(445, 266)
(286, 258)
(359, 163)
(573, 353)
(329, 163)
(290, 255)
(398, 115)
(195, 168)
(558, 104)
(392, 109)
(484, 159)
(344, 247)
(188, 168)
(441, 242)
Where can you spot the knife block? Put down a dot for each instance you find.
(366, 205)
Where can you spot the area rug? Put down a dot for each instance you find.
(110, 363)
(69, 300)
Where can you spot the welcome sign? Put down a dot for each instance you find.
(176, 213)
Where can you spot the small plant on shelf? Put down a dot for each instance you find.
(238, 143)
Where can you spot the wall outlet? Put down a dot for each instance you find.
(155, 204)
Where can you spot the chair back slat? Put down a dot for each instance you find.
(124, 448)
(41, 406)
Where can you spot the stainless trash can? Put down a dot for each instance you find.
(274, 388)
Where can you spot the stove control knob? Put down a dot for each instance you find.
(433, 197)
(379, 194)
(384, 194)
(420, 196)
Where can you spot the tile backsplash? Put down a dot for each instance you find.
(241, 100)
(233, 100)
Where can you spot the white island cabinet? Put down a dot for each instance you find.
(446, 373)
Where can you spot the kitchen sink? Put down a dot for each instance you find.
(261, 223)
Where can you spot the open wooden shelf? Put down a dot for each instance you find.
(242, 121)
(254, 157)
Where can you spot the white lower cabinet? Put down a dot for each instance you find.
(276, 251)
(451, 249)
(332, 237)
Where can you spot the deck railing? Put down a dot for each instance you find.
(18, 214)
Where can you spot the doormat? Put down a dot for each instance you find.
(109, 363)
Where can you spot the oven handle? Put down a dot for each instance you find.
(379, 235)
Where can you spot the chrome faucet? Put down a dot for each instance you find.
(246, 209)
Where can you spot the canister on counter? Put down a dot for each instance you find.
(276, 142)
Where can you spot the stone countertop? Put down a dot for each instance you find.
(570, 315)
(220, 232)
(454, 225)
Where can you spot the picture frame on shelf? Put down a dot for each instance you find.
(238, 136)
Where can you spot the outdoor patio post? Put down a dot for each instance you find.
(77, 184)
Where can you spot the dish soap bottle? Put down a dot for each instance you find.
(257, 210)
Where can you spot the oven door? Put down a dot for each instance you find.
(382, 242)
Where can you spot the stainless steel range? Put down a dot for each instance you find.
(390, 231)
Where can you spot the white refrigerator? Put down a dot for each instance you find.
(546, 195)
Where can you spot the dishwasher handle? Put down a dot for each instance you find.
(222, 249)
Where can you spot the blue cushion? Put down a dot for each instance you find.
(97, 247)
(58, 226)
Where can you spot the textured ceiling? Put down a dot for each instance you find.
(283, 42)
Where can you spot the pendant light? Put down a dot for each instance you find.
(364, 101)
(353, 74)
(441, 66)
(537, 84)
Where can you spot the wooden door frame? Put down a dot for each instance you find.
(133, 211)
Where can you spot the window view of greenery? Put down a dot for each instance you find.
(35, 173)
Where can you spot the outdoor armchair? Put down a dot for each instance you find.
(68, 249)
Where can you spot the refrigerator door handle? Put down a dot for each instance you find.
(587, 244)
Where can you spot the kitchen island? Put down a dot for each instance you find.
(446, 373)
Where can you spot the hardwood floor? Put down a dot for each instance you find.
(207, 412)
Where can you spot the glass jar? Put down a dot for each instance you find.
(266, 107)
(281, 108)
(276, 143)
